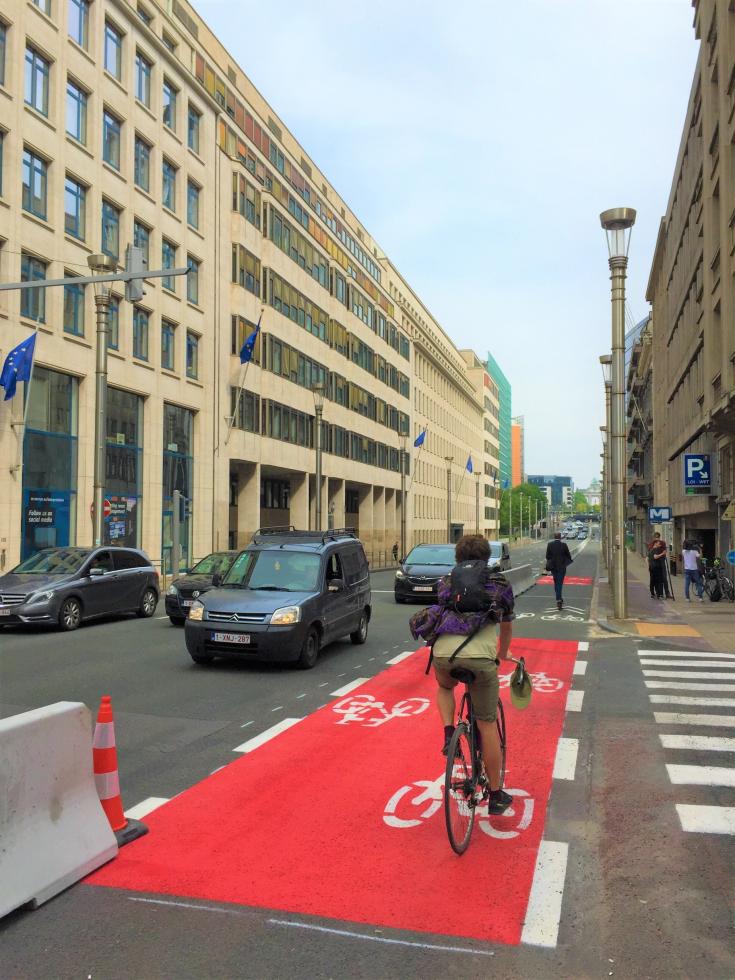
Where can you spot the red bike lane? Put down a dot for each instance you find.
(341, 815)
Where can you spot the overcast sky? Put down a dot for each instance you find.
(478, 142)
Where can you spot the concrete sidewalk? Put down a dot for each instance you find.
(692, 625)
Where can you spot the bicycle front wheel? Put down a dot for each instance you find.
(459, 790)
(500, 724)
(727, 588)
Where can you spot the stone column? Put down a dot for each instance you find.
(248, 502)
(336, 499)
(366, 521)
(379, 543)
(392, 527)
(299, 514)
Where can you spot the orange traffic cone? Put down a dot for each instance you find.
(107, 780)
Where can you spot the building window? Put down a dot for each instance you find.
(2, 145)
(140, 333)
(74, 309)
(168, 42)
(194, 122)
(192, 204)
(75, 208)
(169, 185)
(113, 51)
(113, 336)
(192, 279)
(142, 167)
(35, 180)
(246, 269)
(44, 5)
(111, 127)
(32, 301)
(168, 335)
(79, 22)
(168, 261)
(36, 81)
(76, 112)
(141, 239)
(3, 45)
(145, 16)
(124, 452)
(110, 229)
(143, 69)
(170, 94)
(192, 355)
(178, 467)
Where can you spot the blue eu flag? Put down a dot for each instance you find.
(419, 440)
(469, 464)
(18, 365)
(246, 351)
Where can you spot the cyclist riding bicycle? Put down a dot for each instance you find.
(468, 639)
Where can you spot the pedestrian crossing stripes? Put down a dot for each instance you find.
(689, 679)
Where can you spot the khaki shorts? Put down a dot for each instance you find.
(484, 689)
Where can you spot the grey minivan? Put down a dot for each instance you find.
(287, 595)
(64, 586)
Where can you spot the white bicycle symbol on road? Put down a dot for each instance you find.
(419, 801)
(541, 683)
(365, 710)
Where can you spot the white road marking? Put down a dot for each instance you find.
(565, 762)
(679, 718)
(683, 699)
(584, 645)
(216, 770)
(324, 684)
(580, 668)
(723, 664)
(574, 700)
(704, 743)
(349, 687)
(383, 591)
(701, 775)
(146, 806)
(685, 653)
(299, 696)
(706, 819)
(695, 675)
(401, 656)
(278, 707)
(379, 939)
(267, 735)
(541, 926)
(247, 724)
(689, 686)
(161, 617)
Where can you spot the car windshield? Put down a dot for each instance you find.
(494, 549)
(220, 562)
(275, 571)
(53, 561)
(440, 554)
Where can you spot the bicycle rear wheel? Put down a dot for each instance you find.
(727, 587)
(500, 725)
(459, 790)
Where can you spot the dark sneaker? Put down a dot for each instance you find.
(499, 801)
(558, 603)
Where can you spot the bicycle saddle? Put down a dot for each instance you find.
(463, 674)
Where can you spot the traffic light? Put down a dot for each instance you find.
(135, 264)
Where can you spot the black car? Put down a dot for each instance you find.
(182, 592)
(64, 586)
(420, 571)
(287, 595)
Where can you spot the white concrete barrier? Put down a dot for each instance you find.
(521, 578)
(53, 830)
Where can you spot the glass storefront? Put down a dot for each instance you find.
(50, 461)
(123, 479)
(178, 471)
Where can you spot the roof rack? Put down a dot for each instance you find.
(288, 530)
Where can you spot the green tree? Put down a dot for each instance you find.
(510, 508)
(581, 504)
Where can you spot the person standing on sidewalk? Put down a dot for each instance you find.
(558, 559)
(691, 556)
(657, 552)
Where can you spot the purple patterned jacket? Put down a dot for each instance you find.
(442, 617)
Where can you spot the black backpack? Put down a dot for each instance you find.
(467, 582)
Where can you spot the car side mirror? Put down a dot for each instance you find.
(96, 572)
(217, 579)
(336, 585)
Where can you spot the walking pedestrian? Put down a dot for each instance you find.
(657, 552)
(395, 551)
(691, 556)
(558, 559)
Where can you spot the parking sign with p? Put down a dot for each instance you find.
(697, 470)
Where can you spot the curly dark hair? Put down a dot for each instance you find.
(472, 547)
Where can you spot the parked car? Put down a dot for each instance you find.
(499, 556)
(285, 597)
(184, 589)
(65, 586)
(581, 535)
(420, 571)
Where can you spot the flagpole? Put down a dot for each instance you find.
(415, 465)
(27, 393)
(243, 375)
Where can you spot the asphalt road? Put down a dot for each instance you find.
(642, 898)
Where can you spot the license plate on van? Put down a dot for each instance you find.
(231, 637)
(187, 602)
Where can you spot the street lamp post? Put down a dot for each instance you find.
(618, 223)
(318, 393)
(521, 516)
(100, 265)
(477, 503)
(403, 496)
(448, 460)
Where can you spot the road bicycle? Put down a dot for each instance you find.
(466, 785)
(717, 581)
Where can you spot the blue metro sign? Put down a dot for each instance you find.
(659, 515)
